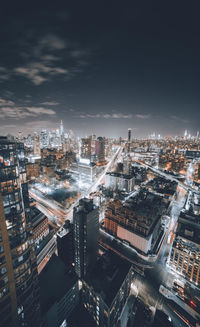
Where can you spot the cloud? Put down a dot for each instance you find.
(53, 42)
(20, 112)
(4, 102)
(179, 119)
(39, 72)
(4, 74)
(50, 103)
(142, 116)
(106, 116)
(46, 57)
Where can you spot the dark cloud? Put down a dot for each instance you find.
(119, 65)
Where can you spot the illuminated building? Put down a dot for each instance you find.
(84, 169)
(61, 129)
(120, 182)
(100, 150)
(44, 138)
(19, 293)
(106, 288)
(40, 225)
(86, 229)
(129, 139)
(136, 220)
(32, 170)
(185, 259)
(36, 145)
(86, 148)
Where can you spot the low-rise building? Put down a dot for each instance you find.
(137, 220)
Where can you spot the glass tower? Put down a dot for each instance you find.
(19, 293)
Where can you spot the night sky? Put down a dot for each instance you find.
(100, 66)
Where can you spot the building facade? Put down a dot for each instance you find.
(19, 301)
(137, 220)
(86, 229)
(106, 289)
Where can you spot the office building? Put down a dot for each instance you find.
(19, 300)
(59, 293)
(86, 228)
(185, 259)
(185, 253)
(106, 288)
(129, 139)
(36, 145)
(86, 148)
(120, 182)
(136, 220)
(65, 245)
(100, 150)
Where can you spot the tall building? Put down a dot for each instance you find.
(100, 150)
(129, 139)
(106, 289)
(65, 245)
(86, 148)
(19, 293)
(36, 145)
(129, 134)
(86, 229)
(61, 128)
(44, 138)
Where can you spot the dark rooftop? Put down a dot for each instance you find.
(108, 275)
(54, 282)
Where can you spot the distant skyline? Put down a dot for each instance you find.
(100, 66)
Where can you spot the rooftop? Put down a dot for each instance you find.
(114, 174)
(54, 282)
(107, 276)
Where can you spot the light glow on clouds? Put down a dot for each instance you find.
(102, 115)
(8, 109)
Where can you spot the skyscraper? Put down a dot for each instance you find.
(19, 293)
(86, 148)
(129, 134)
(100, 150)
(36, 145)
(86, 228)
(129, 139)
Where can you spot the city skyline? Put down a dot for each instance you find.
(101, 68)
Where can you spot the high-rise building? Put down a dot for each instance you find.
(129, 134)
(65, 245)
(86, 228)
(36, 145)
(86, 148)
(61, 128)
(129, 139)
(19, 293)
(44, 138)
(100, 150)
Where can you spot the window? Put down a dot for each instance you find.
(2, 260)
(3, 270)
(4, 291)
